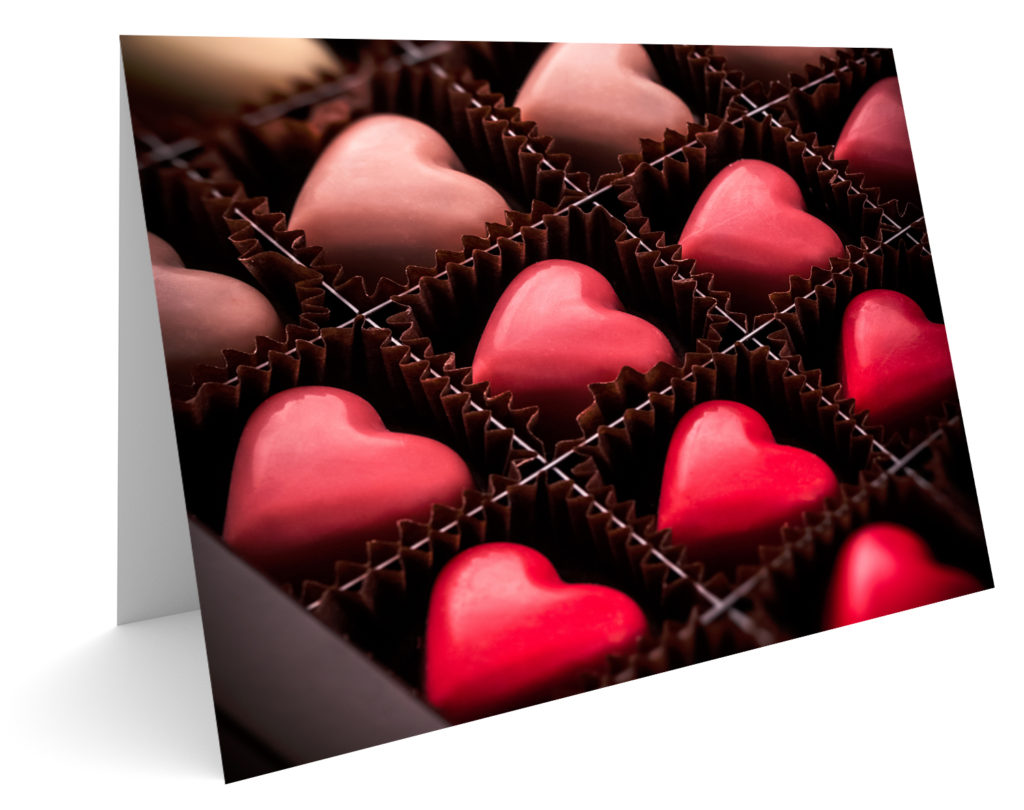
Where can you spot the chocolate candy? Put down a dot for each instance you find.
(212, 77)
(894, 362)
(558, 327)
(875, 141)
(503, 631)
(203, 313)
(885, 568)
(751, 229)
(765, 63)
(387, 193)
(317, 475)
(598, 101)
(728, 487)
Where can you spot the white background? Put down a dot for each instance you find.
(921, 709)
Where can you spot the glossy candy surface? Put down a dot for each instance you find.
(503, 631)
(885, 568)
(203, 313)
(558, 327)
(728, 487)
(875, 141)
(751, 229)
(388, 192)
(598, 101)
(317, 475)
(893, 361)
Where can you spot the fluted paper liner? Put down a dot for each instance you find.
(201, 217)
(823, 109)
(702, 79)
(386, 614)
(812, 330)
(504, 64)
(696, 75)
(448, 314)
(668, 177)
(830, 60)
(627, 462)
(791, 592)
(174, 204)
(693, 76)
(362, 360)
(274, 158)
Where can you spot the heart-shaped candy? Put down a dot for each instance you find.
(558, 327)
(884, 568)
(504, 631)
(598, 101)
(203, 313)
(875, 141)
(387, 193)
(751, 229)
(893, 361)
(317, 475)
(728, 487)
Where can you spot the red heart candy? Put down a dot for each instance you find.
(503, 631)
(317, 475)
(885, 568)
(558, 327)
(893, 361)
(751, 229)
(875, 141)
(728, 487)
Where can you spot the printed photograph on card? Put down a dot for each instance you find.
(504, 371)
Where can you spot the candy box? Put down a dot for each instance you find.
(310, 663)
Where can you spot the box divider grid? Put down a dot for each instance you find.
(537, 464)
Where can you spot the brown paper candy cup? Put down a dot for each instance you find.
(382, 606)
(626, 463)
(668, 178)
(696, 75)
(505, 64)
(411, 395)
(450, 309)
(830, 60)
(689, 74)
(272, 159)
(791, 590)
(200, 218)
(822, 108)
(811, 315)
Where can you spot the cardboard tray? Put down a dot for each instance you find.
(287, 690)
